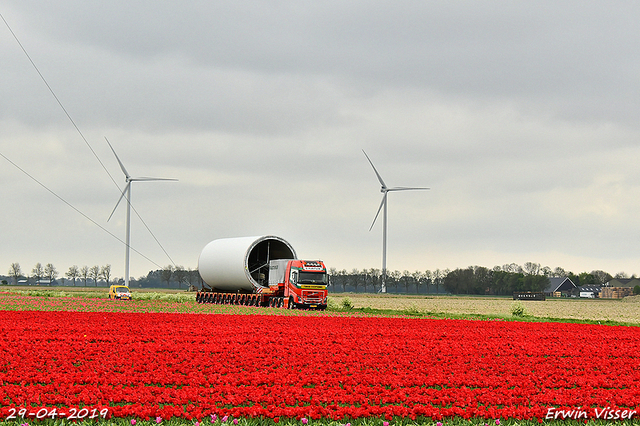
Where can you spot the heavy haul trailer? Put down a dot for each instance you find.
(260, 271)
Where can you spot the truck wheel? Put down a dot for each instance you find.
(292, 304)
(280, 302)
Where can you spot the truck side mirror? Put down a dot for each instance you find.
(293, 277)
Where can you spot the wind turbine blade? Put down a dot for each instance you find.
(148, 179)
(117, 158)
(406, 188)
(119, 199)
(384, 198)
(375, 170)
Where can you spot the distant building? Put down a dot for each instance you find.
(617, 288)
(45, 282)
(623, 282)
(589, 291)
(559, 287)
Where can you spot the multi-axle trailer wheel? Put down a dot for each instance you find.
(249, 300)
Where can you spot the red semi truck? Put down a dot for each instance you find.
(260, 271)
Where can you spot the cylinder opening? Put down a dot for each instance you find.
(260, 255)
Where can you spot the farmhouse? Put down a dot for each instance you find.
(559, 287)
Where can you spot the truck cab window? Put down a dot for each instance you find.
(312, 278)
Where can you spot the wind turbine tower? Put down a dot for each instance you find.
(384, 189)
(126, 193)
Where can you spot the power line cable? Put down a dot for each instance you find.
(88, 145)
(74, 208)
(58, 100)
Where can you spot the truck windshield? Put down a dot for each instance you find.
(312, 278)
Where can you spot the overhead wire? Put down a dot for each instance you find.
(90, 148)
(73, 207)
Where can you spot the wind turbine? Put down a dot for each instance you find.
(127, 193)
(384, 189)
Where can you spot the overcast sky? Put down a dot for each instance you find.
(522, 118)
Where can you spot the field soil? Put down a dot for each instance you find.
(622, 310)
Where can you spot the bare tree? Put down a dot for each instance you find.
(84, 274)
(395, 277)
(601, 276)
(355, 277)
(365, 278)
(559, 272)
(50, 272)
(94, 274)
(375, 278)
(428, 277)
(166, 273)
(417, 280)
(531, 268)
(343, 276)
(15, 272)
(437, 276)
(192, 277)
(514, 268)
(105, 273)
(73, 273)
(37, 272)
(180, 275)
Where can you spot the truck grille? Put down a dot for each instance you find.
(310, 296)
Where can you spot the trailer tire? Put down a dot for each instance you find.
(292, 304)
(280, 302)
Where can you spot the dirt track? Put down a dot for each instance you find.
(584, 309)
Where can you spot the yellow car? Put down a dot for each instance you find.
(119, 292)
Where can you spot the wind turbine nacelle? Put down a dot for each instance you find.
(241, 264)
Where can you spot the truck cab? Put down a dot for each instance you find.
(302, 283)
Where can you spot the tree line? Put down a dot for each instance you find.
(49, 273)
(503, 279)
(500, 280)
(370, 281)
(169, 276)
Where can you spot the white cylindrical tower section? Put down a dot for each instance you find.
(241, 264)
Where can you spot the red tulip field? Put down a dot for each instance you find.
(195, 366)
